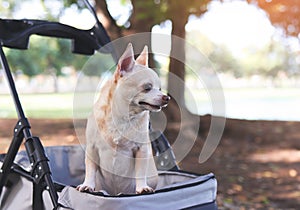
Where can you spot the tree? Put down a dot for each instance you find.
(178, 12)
(224, 61)
(107, 20)
(145, 14)
(274, 60)
(45, 55)
(282, 13)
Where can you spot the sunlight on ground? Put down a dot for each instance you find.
(281, 170)
(286, 156)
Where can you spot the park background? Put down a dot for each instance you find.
(253, 47)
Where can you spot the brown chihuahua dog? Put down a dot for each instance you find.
(118, 149)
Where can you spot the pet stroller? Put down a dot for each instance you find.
(44, 178)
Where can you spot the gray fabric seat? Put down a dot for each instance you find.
(175, 190)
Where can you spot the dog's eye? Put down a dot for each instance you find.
(147, 87)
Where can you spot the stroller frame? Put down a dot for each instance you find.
(40, 168)
(16, 34)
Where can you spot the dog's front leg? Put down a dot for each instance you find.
(89, 183)
(142, 160)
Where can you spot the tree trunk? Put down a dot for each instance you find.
(53, 73)
(142, 24)
(109, 23)
(138, 25)
(176, 77)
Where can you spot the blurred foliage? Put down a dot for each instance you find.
(7, 8)
(145, 14)
(274, 60)
(224, 61)
(99, 64)
(219, 55)
(48, 56)
(45, 55)
(271, 60)
(283, 13)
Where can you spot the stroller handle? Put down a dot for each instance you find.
(16, 33)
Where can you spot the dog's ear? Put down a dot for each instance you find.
(126, 61)
(142, 59)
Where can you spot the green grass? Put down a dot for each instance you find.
(249, 93)
(61, 105)
(248, 103)
(39, 105)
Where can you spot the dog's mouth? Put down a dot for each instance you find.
(151, 106)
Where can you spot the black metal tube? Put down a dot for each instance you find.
(51, 189)
(8, 160)
(31, 142)
(13, 90)
(11, 84)
(38, 159)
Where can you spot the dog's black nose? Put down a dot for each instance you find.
(166, 98)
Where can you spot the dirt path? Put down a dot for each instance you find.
(257, 163)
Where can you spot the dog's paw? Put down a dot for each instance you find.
(85, 188)
(144, 190)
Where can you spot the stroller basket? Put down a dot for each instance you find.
(175, 190)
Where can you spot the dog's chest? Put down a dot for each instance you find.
(125, 131)
(125, 144)
(126, 137)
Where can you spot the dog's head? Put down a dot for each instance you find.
(137, 84)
